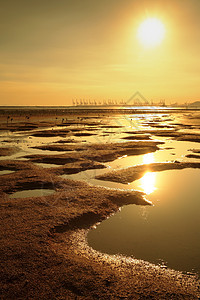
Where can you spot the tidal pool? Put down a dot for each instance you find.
(44, 165)
(4, 172)
(32, 193)
(165, 233)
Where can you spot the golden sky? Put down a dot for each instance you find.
(54, 51)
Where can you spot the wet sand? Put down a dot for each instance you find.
(131, 174)
(44, 252)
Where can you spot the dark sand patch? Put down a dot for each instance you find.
(15, 165)
(166, 133)
(111, 126)
(68, 141)
(80, 122)
(183, 125)
(51, 133)
(189, 138)
(156, 132)
(133, 173)
(20, 126)
(76, 167)
(95, 152)
(177, 135)
(58, 147)
(84, 134)
(53, 159)
(23, 127)
(110, 155)
(111, 151)
(125, 145)
(62, 133)
(195, 150)
(5, 151)
(76, 129)
(137, 137)
(157, 125)
(193, 156)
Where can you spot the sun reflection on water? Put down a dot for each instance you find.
(147, 182)
(148, 158)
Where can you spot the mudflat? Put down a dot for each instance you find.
(44, 250)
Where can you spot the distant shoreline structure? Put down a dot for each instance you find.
(96, 109)
(118, 107)
(137, 100)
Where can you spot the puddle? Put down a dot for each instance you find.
(4, 172)
(43, 165)
(167, 232)
(179, 151)
(32, 193)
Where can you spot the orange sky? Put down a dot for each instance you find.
(55, 51)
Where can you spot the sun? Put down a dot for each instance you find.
(151, 32)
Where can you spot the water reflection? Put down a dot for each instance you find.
(148, 158)
(147, 182)
(167, 231)
(4, 172)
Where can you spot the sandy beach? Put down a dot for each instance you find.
(44, 251)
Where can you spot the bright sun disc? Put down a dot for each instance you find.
(151, 32)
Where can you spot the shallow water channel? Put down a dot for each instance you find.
(165, 233)
(32, 193)
(5, 172)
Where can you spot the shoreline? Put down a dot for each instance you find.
(79, 110)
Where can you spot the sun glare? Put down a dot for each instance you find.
(148, 182)
(148, 158)
(151, 32)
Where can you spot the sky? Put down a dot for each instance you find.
(54, 51)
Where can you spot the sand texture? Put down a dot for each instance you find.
(43, 246)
